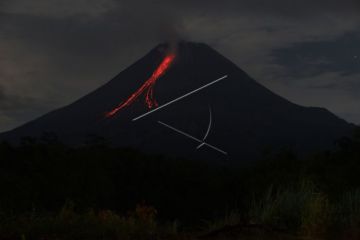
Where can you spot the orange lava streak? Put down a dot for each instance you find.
(148, 86)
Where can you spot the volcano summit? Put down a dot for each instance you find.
(192, 102)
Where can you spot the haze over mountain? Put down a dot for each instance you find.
(245, 116)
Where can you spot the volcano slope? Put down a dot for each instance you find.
(201, 106)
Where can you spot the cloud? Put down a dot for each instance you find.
(59, 8)
(2, 94)
(316, 57)
(17, 109)
(12, 102)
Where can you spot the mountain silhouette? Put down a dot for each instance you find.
(228, 116)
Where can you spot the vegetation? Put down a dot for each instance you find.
(52, 191)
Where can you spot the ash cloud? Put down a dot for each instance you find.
(13, 103)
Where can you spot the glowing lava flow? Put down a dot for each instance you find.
(148, 86)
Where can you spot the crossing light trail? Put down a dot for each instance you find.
(208, 129)
(193, 138)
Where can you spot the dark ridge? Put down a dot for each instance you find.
(247, 117)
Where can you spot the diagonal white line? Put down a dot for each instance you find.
(181, 132)
(192, 137)
(215, 148)
(179, 98)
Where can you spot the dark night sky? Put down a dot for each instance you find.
(55, 51)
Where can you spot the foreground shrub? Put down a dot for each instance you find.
(102, 224)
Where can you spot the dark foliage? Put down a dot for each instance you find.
(44, 174)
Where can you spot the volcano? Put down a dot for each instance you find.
(192, 102)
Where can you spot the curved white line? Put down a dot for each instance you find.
(192, 137)
(202, 144)
(208, 129)
(210, 124)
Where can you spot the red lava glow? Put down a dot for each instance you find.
(148, 86)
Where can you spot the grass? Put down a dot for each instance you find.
(348, 210)
(105, 224)
(302, 210)
(288, 208)
(315, 198)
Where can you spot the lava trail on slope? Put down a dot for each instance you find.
(148, 86)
